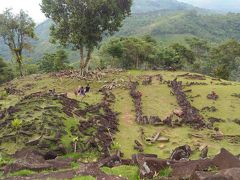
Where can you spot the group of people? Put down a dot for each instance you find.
(82, 91)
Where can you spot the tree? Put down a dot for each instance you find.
(199, 47)
(5, 72)
(54, 62)
(225, 58)
(16, 31)
(168, 57)
(131, 52)
(184, 53)
(83, 23)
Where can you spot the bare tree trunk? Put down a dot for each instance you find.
(20, 68)
(81, 65)
(75, 147)
(88, 59)
(137, 63)
(19, 61)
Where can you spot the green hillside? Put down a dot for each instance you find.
(49, 122)
(167, 21)
(142, 6)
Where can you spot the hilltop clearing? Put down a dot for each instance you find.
(151, 112)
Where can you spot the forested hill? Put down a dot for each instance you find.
(176, 25)
(165, 20)
(143, 6)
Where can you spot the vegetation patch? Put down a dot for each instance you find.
(24, 172)
(129, 172)
(164, 173)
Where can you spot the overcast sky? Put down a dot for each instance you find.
(230, 5)
(31, 6)
(33, 9)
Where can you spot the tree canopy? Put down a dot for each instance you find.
(82, 24)
(54, 62)
(16, 31)
(6, 73)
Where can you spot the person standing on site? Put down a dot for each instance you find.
(87, 89)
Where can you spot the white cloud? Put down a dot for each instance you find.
(30, 6)
(216, 4)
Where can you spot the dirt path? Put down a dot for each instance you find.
(127, 117)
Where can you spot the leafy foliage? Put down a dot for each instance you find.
(145, 52)
(54, 62)
(16, 124)
(5, 71)
(16, 30)
(24, 172)
(82, 24)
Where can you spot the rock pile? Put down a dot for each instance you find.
(213, 96)
(147, 81)
(90, 76)
(190, 115)
(195, 84)
(33, 160)
(137, 100)
(193, 76)
(116, 83)
(12, 90)
(105, 124)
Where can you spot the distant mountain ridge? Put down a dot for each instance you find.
(165, 20)
(143, 6)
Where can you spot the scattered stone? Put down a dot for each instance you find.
(213, 120)
(182, 152)
(138, 146)
(204, 153)
(34, 160)
(2, 115)
(193, 76)
(218, 134)
(147, 81)
(226, 160)
(163, 139)
(149, 166)
(233, 173)
(213, 96)
(237, 121)
(236, 95)
(188, 84)
(209, 109)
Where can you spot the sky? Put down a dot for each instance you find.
(30, 6)
(227, 5)
(33, 8)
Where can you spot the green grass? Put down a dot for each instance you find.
(24, 172)
(75, 165)
(84, 178)
(128, 172)
(164, 173)
(68, 138)
(156, 101)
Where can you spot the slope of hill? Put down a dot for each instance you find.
(169, 21)
(172, 25)
(143, 6)
(50, 120)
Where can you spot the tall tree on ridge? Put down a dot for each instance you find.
(83, 23)
(16, 31)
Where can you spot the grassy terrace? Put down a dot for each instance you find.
(156, 100)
